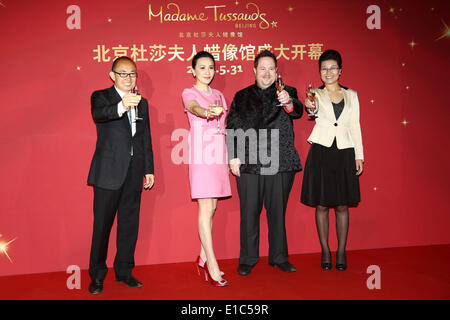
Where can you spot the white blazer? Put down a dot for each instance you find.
(346, 129)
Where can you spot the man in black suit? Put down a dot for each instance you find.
(123, 157)
(264, 167)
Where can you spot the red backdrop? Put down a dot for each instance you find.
(48, 136)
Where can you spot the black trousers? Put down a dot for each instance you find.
(126, 202)
(272, 191)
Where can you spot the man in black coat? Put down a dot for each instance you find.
(260, 142)
(123, 157)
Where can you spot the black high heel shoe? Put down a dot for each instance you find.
(326, 265)
(341, 266)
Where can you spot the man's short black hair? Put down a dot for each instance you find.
(265, 53)
(121, 59)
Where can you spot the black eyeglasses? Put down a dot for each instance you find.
(333, 69)
(124, 75)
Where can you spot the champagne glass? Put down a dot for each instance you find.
(280, 85)
(310, 95)
(218, 107)
(135, 91)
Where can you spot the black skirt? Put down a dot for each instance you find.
(329, 177)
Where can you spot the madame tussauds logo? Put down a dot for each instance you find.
(216, 13)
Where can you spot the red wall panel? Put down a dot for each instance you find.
(47, 135)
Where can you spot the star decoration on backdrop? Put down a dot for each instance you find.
(4, 248)
(274, 24)
(109, 20)
(446, 32)
(403, 64)
(372, 101)
(290, 9)
(392, 11)
(404, 122)
(78, 68)
(374, 188)
(412, 44)
(407, 87)
(236, 3)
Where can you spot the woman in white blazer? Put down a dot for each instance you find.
(335, 159)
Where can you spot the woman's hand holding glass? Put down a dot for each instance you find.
(216, 110)
(311, 101)
(310, 105)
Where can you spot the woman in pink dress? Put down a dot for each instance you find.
(208, 168)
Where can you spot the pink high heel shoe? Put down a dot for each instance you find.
(220, 283)
(200, 264)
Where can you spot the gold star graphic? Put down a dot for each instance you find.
(446, 32)
(274, 24)
(290, 9)
(374, 188)
(372, 101)
(391, 10)
(109, 20)
(78, 68)
(404, 122)
(403, 64)
(4, 248)
(412, 44)
(407, 87)
(236, 3)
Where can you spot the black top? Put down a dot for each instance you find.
(338, 107)
(256, 108)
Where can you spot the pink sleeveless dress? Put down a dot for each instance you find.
(208, 167)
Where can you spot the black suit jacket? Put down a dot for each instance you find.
(112, 156)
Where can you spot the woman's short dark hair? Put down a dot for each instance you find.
(265, 53)
(331, 55)
(202, 54)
